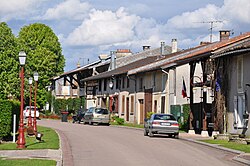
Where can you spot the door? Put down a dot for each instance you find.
(127, 109)
(141, 104)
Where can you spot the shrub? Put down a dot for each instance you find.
(149, 114)
(119, 121)
(7, 109)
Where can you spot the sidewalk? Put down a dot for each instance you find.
(241, 156)
(63, 156)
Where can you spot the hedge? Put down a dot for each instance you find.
(7, 109)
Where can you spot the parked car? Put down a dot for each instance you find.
(79, 116)
(27, 110)
(161, 124)
(96, 116)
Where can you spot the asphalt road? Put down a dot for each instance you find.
(112, 146)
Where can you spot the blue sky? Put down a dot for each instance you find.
(89, 28)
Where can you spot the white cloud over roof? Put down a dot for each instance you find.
(70, 9)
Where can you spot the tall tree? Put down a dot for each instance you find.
(9, 65)
(44, 55)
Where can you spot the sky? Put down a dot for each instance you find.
(87, 29)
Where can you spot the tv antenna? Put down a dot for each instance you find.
(211, 27)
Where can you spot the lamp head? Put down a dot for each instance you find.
(30, 80)
(22, 57)
(36, 76)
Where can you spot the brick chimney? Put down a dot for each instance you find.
(224, 35)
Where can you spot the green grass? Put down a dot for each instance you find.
(26, 162)
(50, 140)
(230, 145)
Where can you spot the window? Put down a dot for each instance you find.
(164, 117)
(174, 81)
(154, 79)
(105, 84)
(123, 82)
(101, 111)
(100, 85)
(239, 109)
(128, 82)
(240, 74)
(141, 84)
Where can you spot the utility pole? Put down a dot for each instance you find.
(211, 27)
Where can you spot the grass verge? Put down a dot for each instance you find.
(230, 145)
(50, 140)
(26, 162)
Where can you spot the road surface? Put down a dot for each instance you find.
(111, 146)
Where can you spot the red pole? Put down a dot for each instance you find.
(21, 137)
(30, 120)
(34, 121)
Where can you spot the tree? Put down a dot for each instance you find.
(9, 64)
(44, 55)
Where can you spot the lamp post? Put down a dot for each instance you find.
(21, 137)
(34, 121)
(30, 120)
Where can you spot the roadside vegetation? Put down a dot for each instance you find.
(26, 162)
(231, 145)
(50, 140)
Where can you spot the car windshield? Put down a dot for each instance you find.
(101, 111)
(164, 117)
(90, 110)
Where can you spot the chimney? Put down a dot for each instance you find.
(224, 35)
(113, 60)
(145, 48)
(162, 48)
(174, 45)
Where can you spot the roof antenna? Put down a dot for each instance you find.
(211, 27)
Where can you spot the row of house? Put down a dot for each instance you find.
(213, 75)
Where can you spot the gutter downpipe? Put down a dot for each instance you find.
(166, 90)
(135, 105)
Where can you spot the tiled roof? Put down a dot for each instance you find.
(123, 69)
(193, 53)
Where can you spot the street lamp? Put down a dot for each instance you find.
(30, 120)
(21, 137)
(34, 121)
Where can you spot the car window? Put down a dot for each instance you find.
(101, 111)
(164, 117)
(90, 110)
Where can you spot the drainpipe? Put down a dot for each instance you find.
(135, 104)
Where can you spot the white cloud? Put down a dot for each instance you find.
(69, 9)
(104, 27)
(13, 9)
(237, 11)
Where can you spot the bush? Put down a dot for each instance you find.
(7, 109)
(186, 109)
(119, 121)
(149, 114)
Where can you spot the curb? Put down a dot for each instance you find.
(236, 158)
(60, 162)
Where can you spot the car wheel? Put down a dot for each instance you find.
(145, 132)
(151, 133)
(176, 136)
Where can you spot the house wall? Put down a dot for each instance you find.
(233, 91)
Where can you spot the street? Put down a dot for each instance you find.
(107, 145)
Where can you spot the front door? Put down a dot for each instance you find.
(141, 103)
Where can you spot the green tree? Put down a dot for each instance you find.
(44, 55)
(9, 64)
